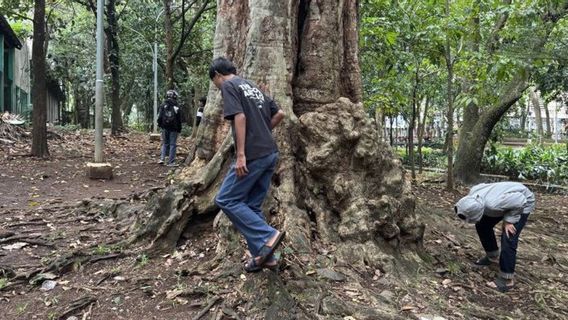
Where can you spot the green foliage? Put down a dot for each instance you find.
(142, 260)
(546, 164)
(68, 128)
(23, 29)
(186, 131)
(3, 282)
(432, 158)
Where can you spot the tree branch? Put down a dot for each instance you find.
(499, 25)
(198, 14)
(184, 10)
(15, 14)
(122, 11)
(191, 54)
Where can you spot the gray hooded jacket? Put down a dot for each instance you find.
(502, 199)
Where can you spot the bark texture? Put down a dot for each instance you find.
(114, 59)
(39, 87)
(169, 44)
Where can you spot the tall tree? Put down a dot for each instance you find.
(513, 79)
(336, 184)
(450, 100)
(111, 32)
(536, 105)
(169, 33)
(39, 87)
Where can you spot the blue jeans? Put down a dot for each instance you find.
(508, 256)
(241, 200)
(169, 140)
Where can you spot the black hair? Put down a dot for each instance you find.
(222, 66)
(203, 100)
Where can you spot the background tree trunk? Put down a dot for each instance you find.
(535, 103)
(525, 109)
(114, 59)
(39, 88)
(169, 44)
(450, 111)
(412, 125)
(421, 127)
(547, 118)
(81, 108)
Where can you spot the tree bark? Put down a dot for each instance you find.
(535, 103)
(81, 108)
(114, 59)
(421, 127)
(524, 112)
(547, 118)
(39, 87)
(412, 125)
(169, 44)
(450, 111)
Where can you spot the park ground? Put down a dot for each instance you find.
(50, 209)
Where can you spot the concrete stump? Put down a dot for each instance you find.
(99, 170)
(155, 137)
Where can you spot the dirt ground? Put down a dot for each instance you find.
(47, 212)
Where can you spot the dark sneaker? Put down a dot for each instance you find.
(486, 261)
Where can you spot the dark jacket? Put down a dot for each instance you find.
(172, 106)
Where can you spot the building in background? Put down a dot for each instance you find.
(15, 68)
(15, 78)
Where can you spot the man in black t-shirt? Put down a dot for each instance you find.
(253, 115)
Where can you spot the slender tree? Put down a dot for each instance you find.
(39, 87)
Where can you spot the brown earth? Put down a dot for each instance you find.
(49, 209)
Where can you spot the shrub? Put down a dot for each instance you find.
(547, 164)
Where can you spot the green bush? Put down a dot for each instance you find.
(547, 164)
(432, 158)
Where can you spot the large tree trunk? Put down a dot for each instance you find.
(337, 185)
(39, 88)
(114, 59)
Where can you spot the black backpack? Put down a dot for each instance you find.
(169, 118)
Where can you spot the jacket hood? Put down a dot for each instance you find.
(470, 207)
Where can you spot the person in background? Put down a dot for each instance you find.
(488, 204)
(199, 115)
(170, 121)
